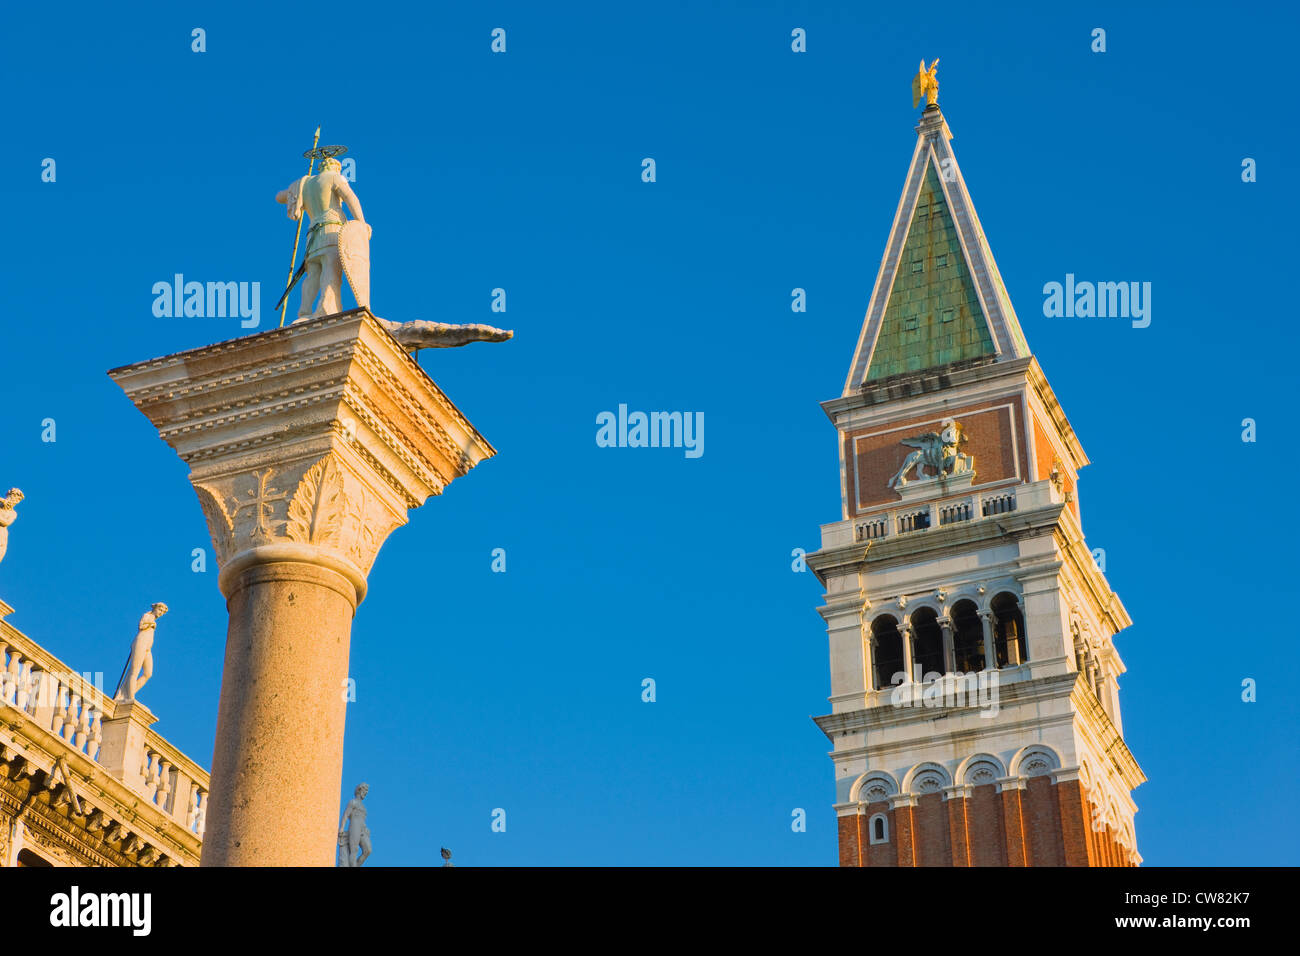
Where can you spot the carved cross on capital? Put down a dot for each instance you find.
(325, 506)
(263, 498)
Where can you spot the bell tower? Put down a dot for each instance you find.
(975, 715)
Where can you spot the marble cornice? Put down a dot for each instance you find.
(95, 787)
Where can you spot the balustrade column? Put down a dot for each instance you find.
(200, 810)
(24, 694)
(13, 678)
(4, 671)
(96, 741)
(82, 734)
(164, 785)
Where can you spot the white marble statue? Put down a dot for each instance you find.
(339, 248)
(353, 833)
(8, 514)
(940, 451)
(322, 197)
(140, 667)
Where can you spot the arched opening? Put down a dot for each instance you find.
(1008, 630)
(886, 650)
(927, 643)
(28, 858)
(967, 637)
(878, 827)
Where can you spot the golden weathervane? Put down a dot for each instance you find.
(925, 84)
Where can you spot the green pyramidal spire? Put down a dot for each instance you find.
(934, 315)
(939, 297)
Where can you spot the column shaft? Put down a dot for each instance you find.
(990, 642)
(278, 760)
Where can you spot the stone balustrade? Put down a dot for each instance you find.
(174, 784)
(76, 708)
(997, 504)
(67, 704)
(922, 516)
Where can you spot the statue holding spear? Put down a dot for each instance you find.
(338, 247)
(322, 198)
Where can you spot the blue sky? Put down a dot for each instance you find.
(775, 170)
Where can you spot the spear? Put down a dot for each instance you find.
(288, 282)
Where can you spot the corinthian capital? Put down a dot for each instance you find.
(325, 508)
(306, 443)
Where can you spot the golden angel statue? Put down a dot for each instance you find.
(925, 84)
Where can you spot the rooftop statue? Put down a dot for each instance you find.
(140, 667)
(8, 514)
(926, 84)
(353, 833)
(322, 197)
(339, 247)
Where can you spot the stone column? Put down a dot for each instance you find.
(905, 629)
(990, 641)
(949, 665)
(307, 445)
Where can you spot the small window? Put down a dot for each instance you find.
(947, 315)
(940, 261)
(918, 265)
(911, 322)
(922, 210)
(878, 826)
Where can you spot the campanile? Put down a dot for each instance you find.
(975, 716)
